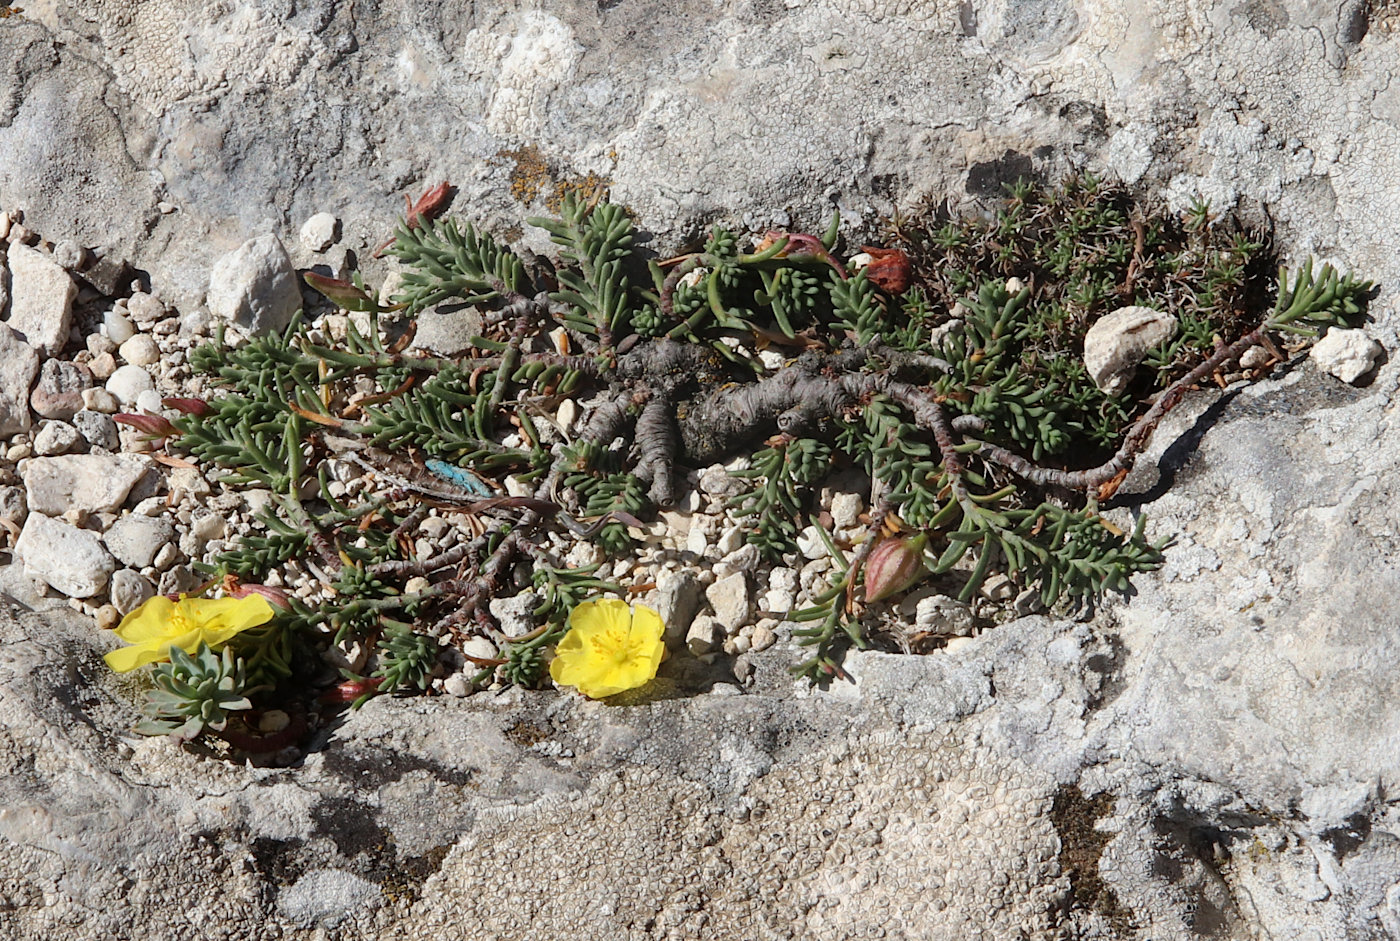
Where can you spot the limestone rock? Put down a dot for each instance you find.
(255, 286)
(1118, 342)
(128, 382)
(98, 429)
(57, 437)
(141, 350)
(94, 483)
(135, 540)
(18, 366)
(731, 600)
(71, 560)
(128, 590)
(1346, 354)
(59, 392)
(318, 233)
(41, 299)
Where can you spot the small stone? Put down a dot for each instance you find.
(100, 400)
(169, 554)
(846, 509)
(956, 644)
(746, 558)
(13, 506)
(705, 635)
(59, 392)
(479, 647)
(150, 506)
(678, 598)
(137, 540)
(319, 232)
(567, 415)
(149, 401)
(71, 560)
(998, 587)
(1118, 342)
(97, 344)
(811, 544)
(69, 255)
(696, 540)
(19, 364)
(18, 452)
(95, 483)
(1346, 354)
(731, 600)
(102, 366)
(108, 273)
(180, 578)
(129, 590)
(195, 323)
(1256, 357)
(457, 685)
(716, 481)
(943, 616)
(255, 286)
(778, 600)
(729, 540)
(273, 721)
(208, 526)
(127, 382)
(141, 350)
(56, 437)
(99, 430)
(41, 299)
(144, 308)
(764, 635)
(516, 613)
(107, 617)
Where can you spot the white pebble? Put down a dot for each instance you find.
(118, 326)
(128, 382)
(318, 232)
(140, 350)
(1346, 354)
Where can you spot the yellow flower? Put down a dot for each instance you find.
(160, 623)
(609, 648)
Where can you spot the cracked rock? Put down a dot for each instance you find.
(71, 560)
(255, 286)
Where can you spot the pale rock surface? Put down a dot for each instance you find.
(41, 299)
(1346, 354)
(93, 483)
(19, 364)
(70, 559)
(1213, 757)
(255, 286)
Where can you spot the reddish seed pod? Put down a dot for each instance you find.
(889, 268)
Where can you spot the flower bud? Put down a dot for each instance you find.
(888, 268)
(188, 406)
(154, 427)
(894, 565)
(275, 596)
(342, 293)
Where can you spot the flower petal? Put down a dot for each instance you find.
(148, 621)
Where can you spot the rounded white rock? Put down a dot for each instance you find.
(128, 382)
(140, 350)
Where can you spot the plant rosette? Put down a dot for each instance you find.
(159, 624)
(610, 647)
